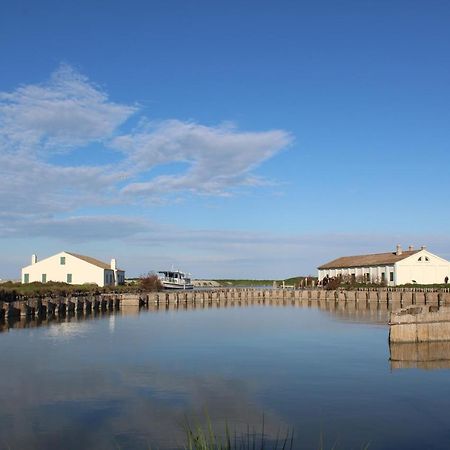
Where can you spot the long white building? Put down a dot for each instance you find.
(393, 269)
(73, 269)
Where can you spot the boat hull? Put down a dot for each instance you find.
(175, 286)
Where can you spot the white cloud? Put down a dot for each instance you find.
(220, 157)
(69, 112)
(65, 112)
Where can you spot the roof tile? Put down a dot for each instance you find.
(377, 259)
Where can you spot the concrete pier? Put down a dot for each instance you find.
(420, 323)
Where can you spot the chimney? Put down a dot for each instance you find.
(423, 247)
(113, 264)
(399, 250)
(410, 248)
(33, 259)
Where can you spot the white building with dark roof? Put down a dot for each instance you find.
(72, 268)
(393, 269)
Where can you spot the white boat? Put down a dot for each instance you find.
(174, 279)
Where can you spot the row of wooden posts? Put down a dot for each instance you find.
(62, 305)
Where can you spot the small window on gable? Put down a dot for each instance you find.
(426, 258)
(420, 259)
(62, 260)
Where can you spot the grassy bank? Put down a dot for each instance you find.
(293, 281)
(243, 283)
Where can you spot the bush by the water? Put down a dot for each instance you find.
(150, 283)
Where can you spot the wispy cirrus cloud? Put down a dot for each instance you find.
(68, 113)
(219, 158)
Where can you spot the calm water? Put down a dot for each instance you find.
(129, 380)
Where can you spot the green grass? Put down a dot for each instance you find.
(428, 286)
(293, 281)
(244, 282)
(205, 438)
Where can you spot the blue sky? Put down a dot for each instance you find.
(231, 139)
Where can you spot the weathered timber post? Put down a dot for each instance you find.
(96, 303)
(70, 305)
(87, 304)
(79, 304)
(48, 307)
(60, 306)
(12, 310)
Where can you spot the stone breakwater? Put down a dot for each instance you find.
(395, 299)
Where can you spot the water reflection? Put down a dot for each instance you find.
(371, 313)
(422, 355)
(129, 378)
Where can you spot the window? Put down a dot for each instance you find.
(420, 259)
(391, 276)
(44, 278)
(383, 276)
(26, 277)
(367, 276)
(69, 278)
(426, 258)
(62, 260)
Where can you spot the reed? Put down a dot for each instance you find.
(206, 438)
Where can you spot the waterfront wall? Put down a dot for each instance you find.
(355, 312)
(48, 306)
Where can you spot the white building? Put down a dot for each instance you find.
(393, 269)
(73, 269)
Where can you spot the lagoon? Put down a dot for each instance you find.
(132, 378)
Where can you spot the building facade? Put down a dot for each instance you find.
(392, 269)
(72, 268)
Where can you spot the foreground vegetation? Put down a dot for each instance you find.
(206, 438)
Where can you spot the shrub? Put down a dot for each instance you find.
(150, 283)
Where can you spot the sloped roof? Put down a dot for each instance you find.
(376, 259)
(90, 260)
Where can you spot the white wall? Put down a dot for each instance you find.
(432, 271)
(82, 271)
